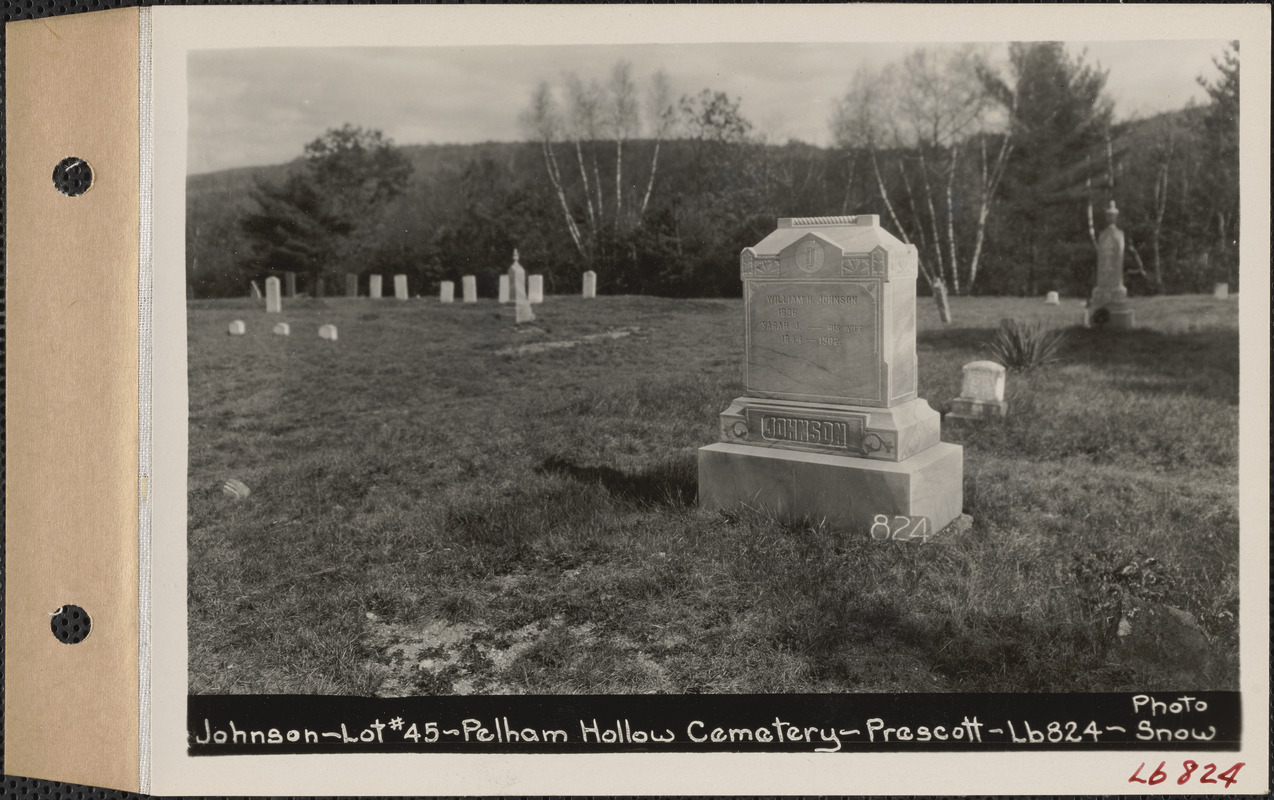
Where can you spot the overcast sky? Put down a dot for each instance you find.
(260, 106)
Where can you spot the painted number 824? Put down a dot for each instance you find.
(899, 527)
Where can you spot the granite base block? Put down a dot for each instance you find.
(847, 492)
(1117, 319)
(969, 408)
(1121, 320)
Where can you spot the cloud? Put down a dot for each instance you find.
(260, 106)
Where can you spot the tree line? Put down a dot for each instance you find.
(993, 173)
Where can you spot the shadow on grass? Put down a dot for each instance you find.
(1179, 356)
(674, 484)
(870, 641)
(957, 340)
(992, 652)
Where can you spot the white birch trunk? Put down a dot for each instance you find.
(619, 181)
(588, 195)
(555, 177)
(935, 284)
(951, 239)
(650, 184)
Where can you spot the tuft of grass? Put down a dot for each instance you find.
(1023, 346)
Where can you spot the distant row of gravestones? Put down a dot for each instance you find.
(513, 288)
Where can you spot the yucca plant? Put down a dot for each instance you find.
(1024, 346)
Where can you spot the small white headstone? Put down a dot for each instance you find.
(981, 392)
(400, 287)
(983, 380)
(504, 288)
(1052, 299)
(256, 291)
(535, 288)
(282, 329)
(327, 332)
(1221, 291)
(373, 285)
(590, 284)
(272, 302)
(469, 284)
(447, 291)
(237, 328)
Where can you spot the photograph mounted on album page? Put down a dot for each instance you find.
(621, 400)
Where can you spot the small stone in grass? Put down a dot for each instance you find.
(233, 487)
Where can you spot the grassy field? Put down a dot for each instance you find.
(439, 508)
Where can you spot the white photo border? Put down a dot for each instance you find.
(177, 30)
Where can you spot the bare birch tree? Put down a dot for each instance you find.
(662, 113)
(543, 122)
(861, 123)
(624, 121)
(592, 117)
(943, 102)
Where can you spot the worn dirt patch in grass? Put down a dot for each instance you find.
(561, 344)
(442, 658)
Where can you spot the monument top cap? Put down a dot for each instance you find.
(983, 366)
(861, 220)
(841, 236)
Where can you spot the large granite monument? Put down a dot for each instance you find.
(1109, 303)
(831, 427)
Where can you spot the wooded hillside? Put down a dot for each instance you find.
(998, 179)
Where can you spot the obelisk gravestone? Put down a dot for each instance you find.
(517, 276)
(1109, 303)
(521, 303)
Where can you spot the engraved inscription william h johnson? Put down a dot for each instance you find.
(813, 339)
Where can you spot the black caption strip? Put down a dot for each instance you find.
(280, 724)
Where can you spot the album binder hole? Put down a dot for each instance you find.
(70, 624)
(72, 176)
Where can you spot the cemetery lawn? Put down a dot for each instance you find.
(434, 513)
